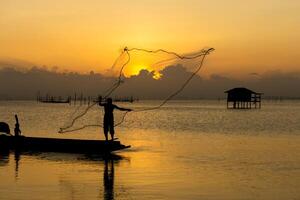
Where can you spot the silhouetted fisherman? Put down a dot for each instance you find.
(108, 121)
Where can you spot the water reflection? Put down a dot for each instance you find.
(4, 160)
(108, 180)
(17, 160)
(81, 182)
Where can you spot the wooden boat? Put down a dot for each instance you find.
(55, 101)
(22, 143)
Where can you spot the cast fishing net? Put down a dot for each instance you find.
(147, 74)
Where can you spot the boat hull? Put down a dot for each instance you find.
(22, 143)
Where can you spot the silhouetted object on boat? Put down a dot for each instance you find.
(108, 179)
(243, 98)
(4, 128)
(17, 127)
(108, 121)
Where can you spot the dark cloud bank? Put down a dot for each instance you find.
(24, 85)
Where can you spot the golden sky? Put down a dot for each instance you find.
(84, 35)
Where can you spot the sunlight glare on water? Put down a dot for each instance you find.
(186, 150)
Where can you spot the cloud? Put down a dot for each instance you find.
(25, 84)
(14, 63)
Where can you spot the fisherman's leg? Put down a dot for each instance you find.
(112, 133)
(106, 135)
(112, 130)
(105, 130)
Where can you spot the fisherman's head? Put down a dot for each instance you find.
(109, 100)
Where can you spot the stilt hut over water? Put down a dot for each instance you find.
(243, 98)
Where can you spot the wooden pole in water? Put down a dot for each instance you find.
(75, 98)
(38, 96)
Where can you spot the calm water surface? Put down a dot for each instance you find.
(186, 150)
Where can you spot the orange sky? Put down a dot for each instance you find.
(84, 35)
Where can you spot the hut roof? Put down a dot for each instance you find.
(241, 90)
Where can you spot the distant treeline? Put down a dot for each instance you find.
(24, 85)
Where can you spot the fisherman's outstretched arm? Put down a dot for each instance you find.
(123, 109)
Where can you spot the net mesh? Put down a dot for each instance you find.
(167, 70)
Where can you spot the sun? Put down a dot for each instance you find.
(135, 69)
